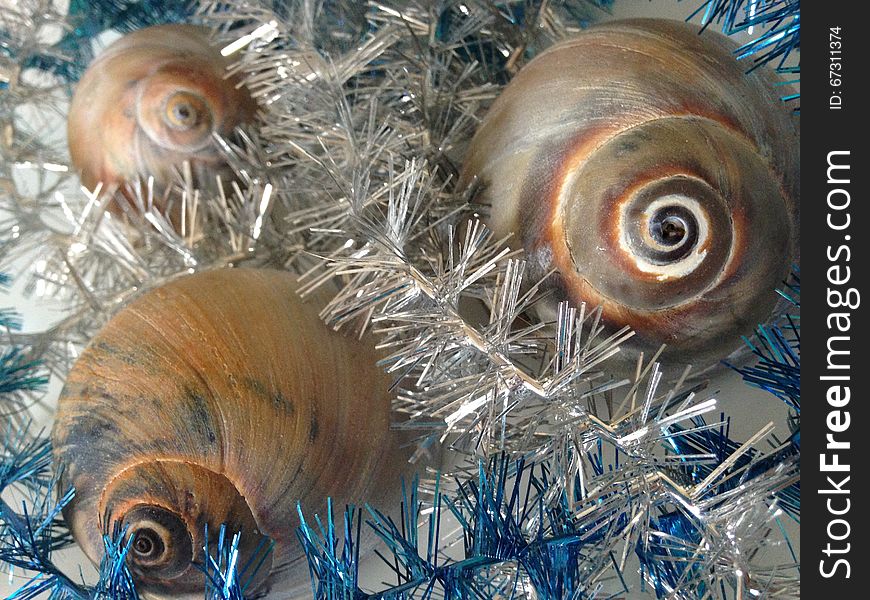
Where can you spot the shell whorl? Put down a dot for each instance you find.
(659, 180)
(220, 398)
(150, 102)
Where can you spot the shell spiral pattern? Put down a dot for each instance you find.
(151, 101)
(654, 176)
(220, 398)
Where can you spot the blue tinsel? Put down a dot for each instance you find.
(225, 578)
(780, 25)
(492, 511)
(73, 53)
(778, 350)
(29, 537)
(20, 372)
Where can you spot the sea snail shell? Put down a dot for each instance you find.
(655, 176)
(221, 398)
(151, 101)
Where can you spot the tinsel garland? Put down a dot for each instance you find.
(779, 38)
(566, 483)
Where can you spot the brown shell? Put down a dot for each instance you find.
(221, 398)
(659, 180)
(151, 101)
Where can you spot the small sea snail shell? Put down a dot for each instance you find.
(654, 175)
(151, 101)
(221, 398)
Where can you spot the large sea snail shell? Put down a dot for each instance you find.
(151, 101)
(221, 398)
(654, 175)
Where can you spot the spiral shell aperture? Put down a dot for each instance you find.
(150, 102)
(657, 178)
(221, 398)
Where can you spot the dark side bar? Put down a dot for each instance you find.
(835, 258)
